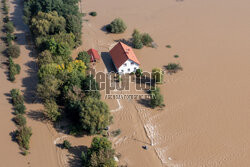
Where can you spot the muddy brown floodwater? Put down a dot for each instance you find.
(207, 115)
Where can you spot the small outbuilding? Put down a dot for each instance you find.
(94, 55)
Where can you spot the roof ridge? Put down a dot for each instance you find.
(121, 43)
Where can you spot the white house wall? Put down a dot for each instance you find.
(128, 67)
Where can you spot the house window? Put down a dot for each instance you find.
(135, 69)
(122, 71)
(125, 64)
(128, 69)
(132, 63)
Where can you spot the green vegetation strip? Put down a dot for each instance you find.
(23, 133)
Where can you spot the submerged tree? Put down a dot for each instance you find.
(156, 98)
(117, 26)
(100, 154)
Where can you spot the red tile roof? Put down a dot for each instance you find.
(121, 53)
(94, 55)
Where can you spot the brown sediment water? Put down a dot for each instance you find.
(206, 119)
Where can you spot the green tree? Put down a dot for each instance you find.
(157, 75)
(138, 72)
(94, 115)
(13, 51)
(48, 69)
(173, 67)
(90, 87)
(100, 154)
(156, 98)
(20, 120)
(51, 110)
(23, 135)
(117, 26)
(49, 88)
(137, 40)
(9, 27)
(74, 25)
(47, 23)
(14, 69)
(66, 144)
(16, 96)
(85, 57)
(44, 58)
(147, 39)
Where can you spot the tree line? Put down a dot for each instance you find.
(63, 82)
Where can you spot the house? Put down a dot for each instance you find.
(124, 58)
(94, 55)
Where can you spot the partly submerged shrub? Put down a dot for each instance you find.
(117, 26)
(9, 27)
(173, 67)
(93, 14)
(13, 51)
(20, 120)
(23, 135)
(66, 144)
(146, 39)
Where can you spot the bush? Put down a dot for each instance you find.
(17, 98)
(85, 57)
(45, 58)
(9, 27)
(157, 75)
(66, 144)
(117, 26)
(99, 154)
(6, 19)
(9, 38)
(93, 14)
(146, 39)
(20, 120)
(13, 69)
(173, 67)
(19, 109)
(137, 40)
(51, 110)
(23, 135)
(47, 23)
(138, 72)
(5, 9)
(94, 115)
(13, 51)
(156, 98)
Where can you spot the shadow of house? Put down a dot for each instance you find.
(108, 62)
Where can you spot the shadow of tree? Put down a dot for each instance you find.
(104, 29)
(37, 115)
(30, 83)
(74, 154)
(24, 40)
(75, 158)
(144, 102)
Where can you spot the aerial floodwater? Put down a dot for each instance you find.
(207, 115)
